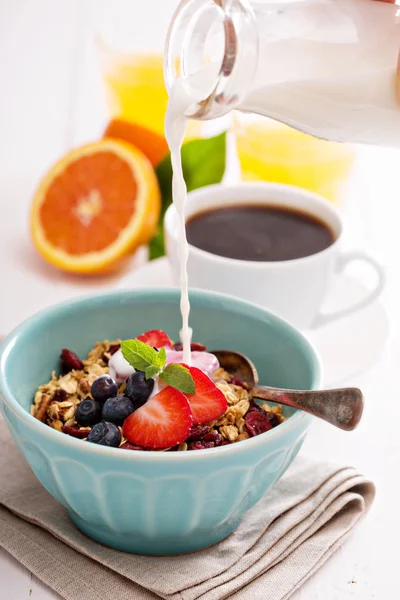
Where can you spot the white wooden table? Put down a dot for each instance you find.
(50, 100)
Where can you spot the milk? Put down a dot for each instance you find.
(180, 98)
(330, 70)
(175, 129)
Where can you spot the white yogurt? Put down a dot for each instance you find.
(206, 362)
(120, 369)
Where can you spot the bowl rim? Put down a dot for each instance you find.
(6, 395)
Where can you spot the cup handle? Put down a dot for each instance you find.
(342, 261)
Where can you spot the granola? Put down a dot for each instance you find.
(56, 403)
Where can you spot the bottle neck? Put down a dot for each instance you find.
(212, 48)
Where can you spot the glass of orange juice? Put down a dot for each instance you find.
(131, 44)
(271, 151)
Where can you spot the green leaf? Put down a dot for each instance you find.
(203, 163)
(178, 377)
(139, 355)
(161, 357)
(156, 245)
(151, 372)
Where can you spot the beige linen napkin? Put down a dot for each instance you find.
(280, 543)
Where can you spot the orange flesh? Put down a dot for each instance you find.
(94, 197)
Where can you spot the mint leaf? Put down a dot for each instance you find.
(139, 355)
(151, 372)
(178, 377)
(203, 163)
(143, 357)
(161, 357)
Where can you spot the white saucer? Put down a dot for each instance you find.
(347, 347)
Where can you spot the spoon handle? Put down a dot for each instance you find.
(342, 407)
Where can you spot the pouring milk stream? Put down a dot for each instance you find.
(175, 129)
(325, 67)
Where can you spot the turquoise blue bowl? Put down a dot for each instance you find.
(154, 502)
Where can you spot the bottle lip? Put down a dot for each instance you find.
(232, 22)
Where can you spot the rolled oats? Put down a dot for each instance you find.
(84, 386)
(228, 418)
(240, 392)
(240, 423)
(97, 370)
(57, 424)
(69, 383)
(221, 374)
(61, 410)
(229, 432)
(242, 407)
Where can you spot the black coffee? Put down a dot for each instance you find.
(258, 232)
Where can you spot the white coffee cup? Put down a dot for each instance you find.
(294, 289)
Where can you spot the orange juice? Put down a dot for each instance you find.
(136, 91)
(271, 151)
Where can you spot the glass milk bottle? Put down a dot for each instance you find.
(324, 67)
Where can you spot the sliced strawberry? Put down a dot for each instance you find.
(155, 338)
(164, 421)
(208, 403)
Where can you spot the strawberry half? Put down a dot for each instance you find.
(208, 403)
(156, 338)
(164, 421)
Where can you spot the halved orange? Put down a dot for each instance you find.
(97, 204)
(153, 145)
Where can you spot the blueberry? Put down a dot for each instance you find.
(138, 388)
(105, 434)
(104, 387)
(117, 409)
(88, 412)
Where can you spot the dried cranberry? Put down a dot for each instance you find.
(200, 445)
(114, 348)
(194, 346)
(226, 443)
(273, 419)
(60, 395)
(129, 446)
(239, 382)
(254, 407)
(196, 433)
(213, 436)
(75, 432)
(70, 360)
(257, 422)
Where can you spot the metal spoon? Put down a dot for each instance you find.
(342, 407)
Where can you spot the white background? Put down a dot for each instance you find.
(50, 100)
